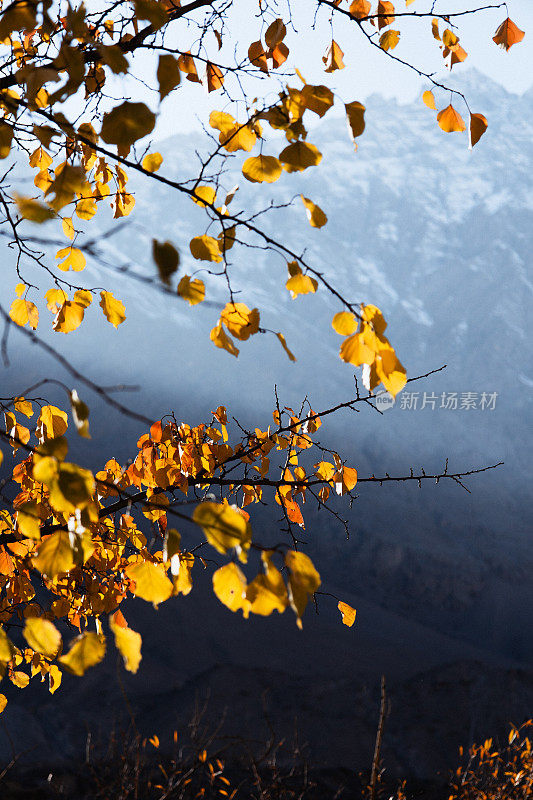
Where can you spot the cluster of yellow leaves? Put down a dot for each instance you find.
(370, 347)
(68, 314)
(88, 562)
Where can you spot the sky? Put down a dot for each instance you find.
(367, 69)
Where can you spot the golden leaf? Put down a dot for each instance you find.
(151, 582)
(508, 34)
(152, 161)
(261, 169)
(315, 215)
(299, 283)
(33, 210)
(72, 259)
(389, 39)
(191, 290)
(386, 14)
(304, 580)
(360, 8)
(113, 309)
(429, 99)
(355, 114)
(42, 636)
(54, 555)
(285, 346)
(348, 613)
(344, 323)
(333, 58)
(224, 527)
(69, 317)
(229, 585)
(267, 593)
(299, 156)
(241, 321)
(205, 248)
(128, 643)
(220, 339)
(317, 98)
(52, 422)
(22, 312)
(6, 647)
(80, 414)
(214, 77)
(450, 120)
(86, 651)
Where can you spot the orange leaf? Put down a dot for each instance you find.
(333, 58)
(450, 121)
(348, 613)
(508, 34)
(478, 126)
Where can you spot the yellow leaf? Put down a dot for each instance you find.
(224, 527)
(241, 321)
(168, 74)
(73, 488)
(450, 121)
(113, 309)
(54, 678)
(348, 613)
(183, 579)
(6, 647)
(389, 39)
(127, 123)
(32, 210)
(52, 422)
(69, 317)
(355, 351)
(285, 347)
(355, 114)
(19, 679)
(233, 136)
(229, 585)
(86, 651)
(72, 259)
(28, 521)
(449, 39)
(220, 339)
(152, 162)
(261, 169)
(166, 258)
(304, 581)
(267, 593)
(429, 99)
(315, 215)
(128, 643)
(191, 290)
(299, 156)
(390, 371)
(24, 406)
(22, 312)
(299, 283)
(344, 323)
(83, 298)
(205, 248)
(6, 137)
(42, 636)
(55, 299)
(333, 58)
(151, 582)
(317, 98)
(3, 702)
(68, 227)
(54, 555)
(478, 126)
(204, 195)
(80, 414)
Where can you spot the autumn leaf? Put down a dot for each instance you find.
(128, 643)
(113, 309)
(152, 161)
(389, 39)
(127, 123)
(317, 98)
(214, 77)
(42, 636)
(267, 592)
(240, 321)
(299, 156)
(86, 651)
(32, 210)
(191, 290)
(360, 8)
(450, 120)
(385, 14)
(304, 581)
(205, 248)
(315, 215)
(168, 74)
(333, 58)
(69, 317)
(478, 126)
(298, 283)
(344, 323)
(508, 34)
(261, 169)
(224, 527)
(229, 585)
(347, 612)
(52, 422)
(151, 582)
(285, 347)
(429, 99)
(54, 555)
(167, 259)
(24, 312)
(80, 415)
(72, 259)
(355, 115)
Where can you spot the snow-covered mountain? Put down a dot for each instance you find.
(440, 239)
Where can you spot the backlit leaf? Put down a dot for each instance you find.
(113, 309)
(52, 422)
(42, 636)
(127, 123)
(344, 323)
(72, 259)
(315, 215)
(224, 527)
(450, 120)
(86, 651)
(205, 248)
(152, 161)
(191, 290)
(429, 99)
(261, 169)
(128, 643)
(304, 581)
(80, 414)
(299, 156)
(241, 321)
(229, 585)
(151, 582)
(32, 210)
(333, 57)
(348, 613)
(478, 126)
(55, 555)
(24, 312)
(389, 39)
(508, 34)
